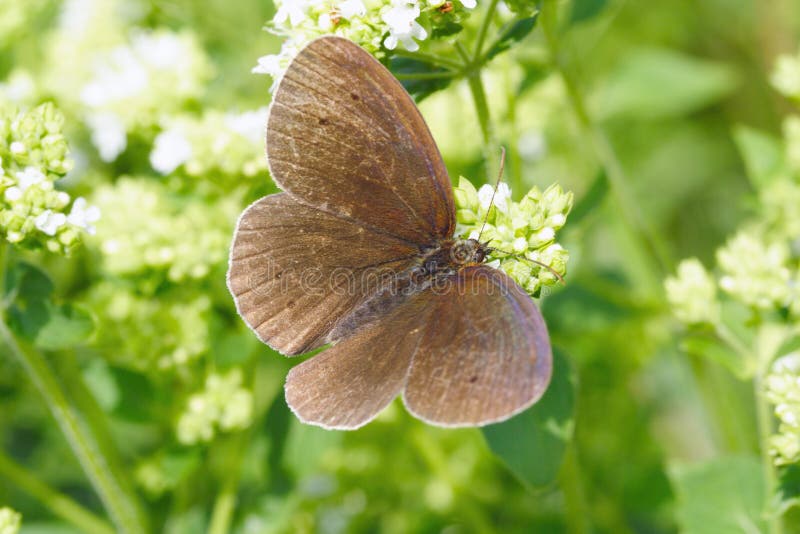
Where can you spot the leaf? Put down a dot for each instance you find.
(583, 10)
(591, 200)
(722, 495)
(660, 83)
(50, 326)
(27, 282)
(788, 493)
(305, 446)
(512, 33)
(532, 444)
(419, 89)
(762, 154)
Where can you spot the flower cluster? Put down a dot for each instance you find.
(135, 84)
(755, 271)
(223, 404)
(148, 231)
(10, 521)
(786, 75)
(693, 293)
(522, 234)
(783, 391)
(374, 24)
(33, 155)
(145, 334)
(228, 144)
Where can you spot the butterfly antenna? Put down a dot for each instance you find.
(535, 262)
(496, 186)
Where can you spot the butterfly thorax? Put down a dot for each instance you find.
(448, 256)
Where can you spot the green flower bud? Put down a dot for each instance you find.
(518, 230)
(783, 392)
(692, 293)
(10, 521)
(786, 75)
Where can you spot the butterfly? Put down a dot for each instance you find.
(358, 252)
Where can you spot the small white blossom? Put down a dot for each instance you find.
(469, 4)
(28, 177)
(108, 135)
(82, 215)
(403, 26)
(17, 147)
(49, 222)
(171, 150)
(501, 198)
(13, 194)
(292, 10)
(250, 124)
(352, 8)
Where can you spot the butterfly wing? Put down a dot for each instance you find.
(485, 354)
(295, 270)
(471, 352)
(344, 136)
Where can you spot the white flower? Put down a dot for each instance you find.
(171, 150)
(352, 8)
(293, 10)
(28, 177)
(469, 4)
(17, 147)
(82, 215)
(403, 26)
(13, 194)
(49, 222)
(270, 64)
(251, 124)
(162, 51)
(501, 198)
(108, 135)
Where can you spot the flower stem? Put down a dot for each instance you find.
(122, 509)
(577, 515)
(61, 505)
(123, 512)
(484, 29)
(629, 209)
(764, 416)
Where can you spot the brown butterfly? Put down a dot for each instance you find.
(358, 252)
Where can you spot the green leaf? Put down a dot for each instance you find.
(583, 10)
(27, 282)
(511, 33)
(406, 68)
(532, 444)
(762, 154)
(50, 326)
(661, 83)
(788, 494)
(722, 495)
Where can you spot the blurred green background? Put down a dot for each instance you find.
(650, 439)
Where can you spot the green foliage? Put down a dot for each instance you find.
(723, 495)
(134, 397)
(533, 443)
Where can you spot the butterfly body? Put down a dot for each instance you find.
(359, 253)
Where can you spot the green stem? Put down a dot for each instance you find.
(122, 510)
(58, 503)
(764, 416)
(484, 29)
(577, 515)
(631, 214)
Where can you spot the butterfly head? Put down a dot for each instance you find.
(468, 252)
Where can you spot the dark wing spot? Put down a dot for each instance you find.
(355, 97)
(473, 379)
(323, 122)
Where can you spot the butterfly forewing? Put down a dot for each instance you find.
(344, 136)
(295, 270)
